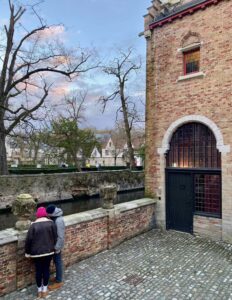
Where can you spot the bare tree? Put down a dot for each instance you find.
(122, 69)
(74, 106)
(26, 61)
(119, 139)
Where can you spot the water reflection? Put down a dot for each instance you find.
(72, 206)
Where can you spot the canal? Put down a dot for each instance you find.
(72, 206)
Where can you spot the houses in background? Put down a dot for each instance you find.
(113, 151)
(19, 151)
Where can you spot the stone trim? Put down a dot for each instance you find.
(134, 204)
(190, 47)
(85, 216)
(147, 34)
(7, 236)
(193, 118)
(190, 76)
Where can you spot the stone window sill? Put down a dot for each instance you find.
(190, 76)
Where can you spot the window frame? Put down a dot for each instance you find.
(185, 150)
(184, 60)
(208, 207)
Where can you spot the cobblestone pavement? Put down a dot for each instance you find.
(156, 265)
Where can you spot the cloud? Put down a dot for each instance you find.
(51, 32)
(139, 94)
(58, 91)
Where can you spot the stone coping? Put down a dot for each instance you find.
(134, 204)
(82, 173)
(11, 235)
(8, 236)
(101, 213)
(85, 216)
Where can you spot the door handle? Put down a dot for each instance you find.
(182, 187)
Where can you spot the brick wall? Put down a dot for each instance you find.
(127, 221)
(85, 239)
(210, 96)
(87, 233)
(7, 268)
(208, 227)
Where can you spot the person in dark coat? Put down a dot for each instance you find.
(56, 214)
(40, 246)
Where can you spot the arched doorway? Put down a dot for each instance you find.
(193, 176)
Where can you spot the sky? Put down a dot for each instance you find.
(104, 25)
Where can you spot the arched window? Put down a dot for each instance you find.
(190, 47)
(193, 145)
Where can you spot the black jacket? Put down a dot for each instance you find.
(41, 238)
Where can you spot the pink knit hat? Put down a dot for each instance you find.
(41, 212)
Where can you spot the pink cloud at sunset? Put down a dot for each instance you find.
(59, 91)
(51, 32)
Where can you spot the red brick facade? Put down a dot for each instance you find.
(172, 99)
(7, 268)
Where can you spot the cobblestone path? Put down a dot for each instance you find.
(155, 265)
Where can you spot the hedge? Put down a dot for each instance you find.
(21, 170)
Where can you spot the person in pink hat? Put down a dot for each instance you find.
(40, 244)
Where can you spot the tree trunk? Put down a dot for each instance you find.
(3, 156)
(36, 149)
(129, 144)
(76, 162)
(127, 129)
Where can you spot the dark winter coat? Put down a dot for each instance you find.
(41, 238)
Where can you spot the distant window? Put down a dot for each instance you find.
(107, 152)
(110, 144)
(192, 61)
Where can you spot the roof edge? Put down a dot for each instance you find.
(182, 13)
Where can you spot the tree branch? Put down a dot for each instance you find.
(104, 99)
(14, 57)
(27, 112)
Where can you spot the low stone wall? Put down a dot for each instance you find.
(50, 187)
(208, 227)
(87, 233)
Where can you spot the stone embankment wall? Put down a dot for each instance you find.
(87, 233)
(50, 187)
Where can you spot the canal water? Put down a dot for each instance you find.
(71, 206)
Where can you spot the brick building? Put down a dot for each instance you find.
(189, 114)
